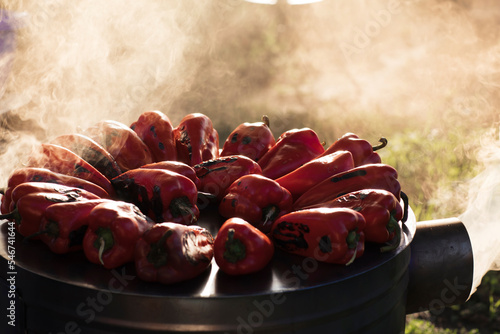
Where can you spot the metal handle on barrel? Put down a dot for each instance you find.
(441, 266)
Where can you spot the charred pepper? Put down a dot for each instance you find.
(113, 231)
(241, 248)
(371, 176)
(160, 194)
(196, 139)
(252, 140)
(362, 151)
(156, 131)
(217, 175)
(90, 151)
(122, 143)
(256, 199)
(292, 149)
(176, 166)
(170, 253)
(313, 172)
(381, 210)
(330, 235)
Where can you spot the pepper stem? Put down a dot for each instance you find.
(269, 214)
(235, 250)
(353, 257)
(34, 235)
(383, 143)
(392, 226)
(104, 241)
(13, 215)
(102, 244)
(265, 120)
(352, 243)
(2, 191)
(180, 207)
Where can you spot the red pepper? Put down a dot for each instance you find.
(178, 167)
(218, 174)
(90, 151)
(330, 235)
(122, 143)
(156, 131)
(113, 231)
(170, 253)
(30, 174)
(241, 248)
(315, 171)
(372, 176)
(196, 139)
(61, 160)
(362, 151)
(163, 195)
(293, 149)
(29, 210)
(381, 210)
(63, 225)
(252, 140)
(256, 199)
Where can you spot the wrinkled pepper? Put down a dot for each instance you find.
(61, 160)
(313, 172)
(381, 210)
(170, 253)
(176, 166)
(256, 199)
(362, 151)
(31, 174)
(292, 149)
(162, 195)
(122, 143)
(63, 225)
(252, 140)
(332, 235)
(371, 176)
(112, 233)
(217, 175)
(240, 248)
(29, 211)
(90, 151)
(196, 139)
(156, 131)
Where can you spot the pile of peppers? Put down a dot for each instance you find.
(135, 193)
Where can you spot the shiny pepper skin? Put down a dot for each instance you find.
(256, 199)
(169, 253)
(252, 140)
(332, 235)
(196, 139)
(156, 131)
(241, 248)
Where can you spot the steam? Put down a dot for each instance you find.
(482, 217)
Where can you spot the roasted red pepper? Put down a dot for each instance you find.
(29, 174)
(176, 166)
(170, 253)
(241, 248)
(256, 199)
(122, 143)
(63, 225)
(372, 176)
(217, 175)
(196, 139)
(381, 210)
(90, 151)
(61, 160)
(315, 171)
(162, 195)
(156, 131)
(113, 231)
(292, 149)
(29, 210)
(330, 235)
(252, 140)
(362, 151)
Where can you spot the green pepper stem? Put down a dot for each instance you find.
(157, 254)
(235, 250)
(36, 234)
(102, 244)
(353, 257)
(8, 216)
(104, 241)
(180, 207)
(383, 143)
(392, 226)
(352, 243)
(270, 213)
(265, 120)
